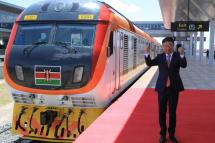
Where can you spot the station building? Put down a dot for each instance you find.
(8, 14)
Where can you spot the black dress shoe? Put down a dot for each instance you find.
(162, 139)
(173, 139)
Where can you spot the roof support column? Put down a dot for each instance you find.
(187, 48)
(191, 45)
(201, 46)
(175, 35)
(195, 44)
(211, 48)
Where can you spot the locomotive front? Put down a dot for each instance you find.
(50, 56)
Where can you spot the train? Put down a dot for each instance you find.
(66, 61)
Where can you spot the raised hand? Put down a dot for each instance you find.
(146, 50)
(181, 50)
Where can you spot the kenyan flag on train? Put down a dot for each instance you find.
(48, 75)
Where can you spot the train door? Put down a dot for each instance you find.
(117, 37)
(112, 59)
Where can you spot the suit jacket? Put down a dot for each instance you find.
(165, 71)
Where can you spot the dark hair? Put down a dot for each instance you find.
(178, 45)
(168, 39)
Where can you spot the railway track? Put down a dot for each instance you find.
(5, 134)
(5, 129)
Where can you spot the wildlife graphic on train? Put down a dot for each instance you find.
(66, 61)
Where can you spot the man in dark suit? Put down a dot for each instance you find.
(168, 85)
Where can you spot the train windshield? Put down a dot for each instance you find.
(32, 34)
(75, 35)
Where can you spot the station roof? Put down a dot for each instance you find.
(177, 10)
(4, 6)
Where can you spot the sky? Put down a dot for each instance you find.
(135, 10)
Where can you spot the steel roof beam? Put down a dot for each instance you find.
(200, 9)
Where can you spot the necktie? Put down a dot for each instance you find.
(168, 60)
(168, 63)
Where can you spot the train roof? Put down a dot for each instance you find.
(62, 10)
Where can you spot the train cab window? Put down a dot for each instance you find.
(110, 45)
(77, 36)
(76, 39)
(41, 34)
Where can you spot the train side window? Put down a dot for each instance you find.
(132, 41)
(110, 45)
(121, 40)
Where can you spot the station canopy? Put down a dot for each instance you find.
(177, 10)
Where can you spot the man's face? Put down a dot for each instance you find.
(167, 47)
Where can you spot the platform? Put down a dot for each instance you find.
(1, 70)
(134, 116)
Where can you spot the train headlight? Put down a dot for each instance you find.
(78, 74)
(19, 72)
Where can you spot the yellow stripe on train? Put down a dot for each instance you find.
(52, 123)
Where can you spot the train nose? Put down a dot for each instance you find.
(50, 67)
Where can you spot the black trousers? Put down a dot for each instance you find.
(167, 97)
